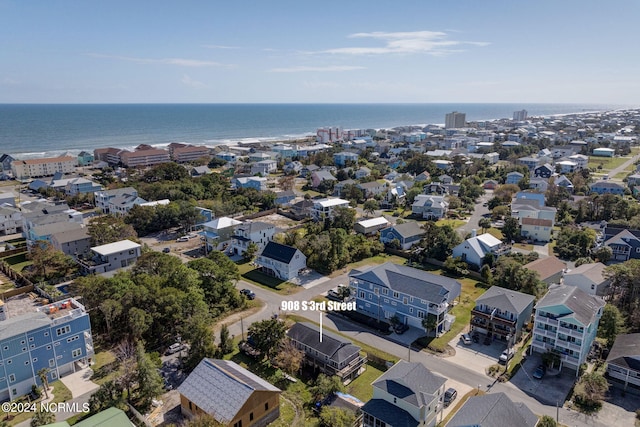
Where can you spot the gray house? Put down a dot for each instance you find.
(334, 355)
(502, 313)
(494, 409)
(408, 234)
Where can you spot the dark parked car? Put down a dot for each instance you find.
(400, 328)
(449, 396)
(248, 293)
(539, 372)
(166, 250)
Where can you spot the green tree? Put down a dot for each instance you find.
(197, 333)
(289, 358)
(370, 206)
(511, 228)
(343, 218)
(336, 417)
(42, 375)
(611, 324)
(41, 418)
(149, 380)
(250, 252)
(226, 342)
(110, 394)
(430, 323)
(584, 260)
(589, 392)
(326, 385)
(108, 229)
(603, 254)
(111, 310)
(547, 421)
(267, 335)
(484, 223)
(202, 421)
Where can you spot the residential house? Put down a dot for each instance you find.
(544, 171)
(581, 161)
(407, 234)
(430, 207)
(623, 362)
(340, 186)
(73, 242)
(408, 294)
(56, 337)
(293, 167)
(281, 261)
(514, 178)
(230, 394)
(284, 151)
(324, 208)
(256, 182)
(308, 170)
(284, 198)
(7, 199)
(264, 167)
(257, 232)
(121, 205)
(564, 182)
(633, 180)
(445, 179)
(566, 322)
(422, 177)
(342, 158)
(85, 158)
(39, 213)
(474, 250)
(566, 166)
(502, 314)
(493, 410)
(407, 395)
(533, 210)
(363, 172)
(10, 220)
(436, 188)
(537, 230)
(199, 171)
(302, 209)
(43, 233)
(227, 156)
(604, 152)
(490, 184)
(607, 187)
(373, 188)
(530, 162)
(111, 256)
(371, 226)
(590, 278)
(625, 244)
(539, 184)
(549, 269)
(218, 232)
(75, 186)
(103, 198)
(333, 355)
(259, 156)
(321, 175)
(5, 161)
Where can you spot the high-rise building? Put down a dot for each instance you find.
(455, 120)
(520, 116)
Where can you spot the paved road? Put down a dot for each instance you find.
(478, 212)
(622, 167)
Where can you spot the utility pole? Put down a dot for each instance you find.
(242, 328)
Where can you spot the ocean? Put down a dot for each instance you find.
(43, 130)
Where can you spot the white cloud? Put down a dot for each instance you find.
(219, 46)
(182, 62)
(329, 68)
(188, 81)
(406, 42)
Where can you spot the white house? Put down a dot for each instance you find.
(112, 256)
(264, 167)
(588, 277)
(474, 249)
(281, 261)
(429, 206)
(256, 232)
(217, 233)
(324, 208)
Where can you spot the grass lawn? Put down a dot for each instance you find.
(454, 223)
(524, 246)
(60, 394)
(375, 260)
(607, 163)
(251, 274)
(361, 386)
(105, 367)
(495, 232)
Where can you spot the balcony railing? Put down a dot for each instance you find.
(496, 317)
(569, 345)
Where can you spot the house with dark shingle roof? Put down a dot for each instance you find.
(229, 393)
(334, 355)
(493, 410)
(502, 314)
(387, 290)
(566, 321)
(281, 261)
(408, 234)
(623, 362)
(407, 395)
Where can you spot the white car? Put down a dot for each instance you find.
(506, 356)
(182, 239)
(466, 339)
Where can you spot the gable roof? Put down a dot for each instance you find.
(409, 229)
(511, 301)
(493, 410)
(592, 271)
(389, 413)
(537, 222)
(222, 222)
(583, 307)
(482, 244)
(410, 281)
(411, 382)
(221, 388)
(337, 348)
(546, 267)
(278, 252)
(626, 351)
(621, 238)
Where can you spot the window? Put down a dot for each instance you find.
(22, 342)
(386, 300)
(48, 347)
(26, 362)
(54, 374)
(421, 314)
(9, 362)
(63, 330)
(5, 348)
(73, 338)
(251, 416)
(12, 378)
(396, 295)
(266, 406)
(405, 300)
(411, 310)
(46, 334)
(385, 291)
(52, 363)
(376, 291)
(361, 294)
(131, 252)
(76, 353)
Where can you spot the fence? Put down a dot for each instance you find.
(258, 214)
(17, 291)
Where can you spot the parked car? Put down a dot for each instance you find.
(466, 339)
(166, 250)
(539, 372)
(174, 348)
(248, 293)
(506, 356)
(400, 328)
(182, 239)
(449, 396)
(333, 295)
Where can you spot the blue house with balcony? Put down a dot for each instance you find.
(56, 337)
(411, 295)
(341, 158)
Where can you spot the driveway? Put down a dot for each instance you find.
(479, 212)
(79, 383)
(476, 356)
(551, 389)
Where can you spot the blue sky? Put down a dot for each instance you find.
(319, 51)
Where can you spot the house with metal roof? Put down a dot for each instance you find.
(112, 417)
(371, 225)
(474, 249)
(333, 355)
(406, 293)
(502, 314)
(281, 261)
(111, 256)
(407, 234)
(218, 232)
(493, 410)
(229, 393)
(408, 394)
(623, 362)
(324, 208)
(566, 322)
